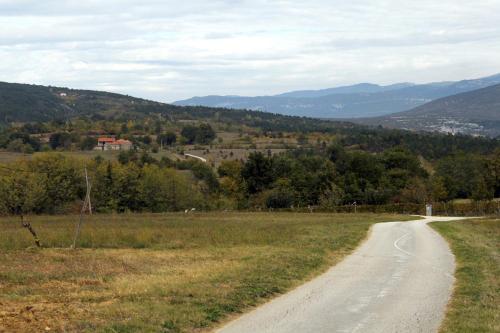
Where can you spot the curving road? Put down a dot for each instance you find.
(399, 280)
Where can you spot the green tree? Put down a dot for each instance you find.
(167, 139)
(22, 192)
(203, 134)
(163, 190)
(281, 195)
(414, 192)
(64, 181)
(61, 140)
(230, 169)
(331, 197)
(480, 189)
(257, 172)
(438, 189)
(88, 143)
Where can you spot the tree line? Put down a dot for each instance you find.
(54, 183)
(341, 177)
(25, 139)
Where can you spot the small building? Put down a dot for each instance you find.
(110, 143)
(120, 145)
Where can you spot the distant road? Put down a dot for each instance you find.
(204, 160)
(399, 280)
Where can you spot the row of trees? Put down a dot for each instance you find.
(342, 177)
(22, 140)
(52, 183)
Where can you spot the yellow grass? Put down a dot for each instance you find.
(163, 272)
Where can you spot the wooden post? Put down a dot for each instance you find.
(28, 226)
(87, 195)
(86, 204)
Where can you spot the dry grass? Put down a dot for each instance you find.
(216, 155)
(163, 272)
(475, 305)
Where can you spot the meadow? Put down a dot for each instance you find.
(163, 272)
(475, 304)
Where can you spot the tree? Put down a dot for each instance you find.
(64, 181)
(189, 133)
(88, 143)
(230, 169)
(257, 172)
(202, 172)
(331, 197)
(414, 192)
(480, 190)
(281, 195)
(168, 139)
(166, 190)
(19, 146)
(438, 189)
(60, 140)
(203, 134)
(494, 171)
(464, 174)
(22, 192)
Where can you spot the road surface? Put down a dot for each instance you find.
(204, 160)
(399, 280)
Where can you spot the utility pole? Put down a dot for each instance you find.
(86, 204)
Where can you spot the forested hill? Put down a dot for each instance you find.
(474, 112)
(29, 103)
(39, 104)
(34, 103)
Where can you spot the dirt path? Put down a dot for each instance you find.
(399, 280)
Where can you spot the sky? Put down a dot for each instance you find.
(171, 50)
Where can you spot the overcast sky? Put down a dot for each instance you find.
(169, 50)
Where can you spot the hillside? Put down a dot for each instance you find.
(84, 113)
(362, 100)
(34, 103)
(27, 103)
(476, 112)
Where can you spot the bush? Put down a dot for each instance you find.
(279, 198)
(203, 134)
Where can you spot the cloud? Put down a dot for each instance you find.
(168, 50)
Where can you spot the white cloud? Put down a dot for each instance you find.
(169, 50)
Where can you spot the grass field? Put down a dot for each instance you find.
(214, 156)
(475, 305)
(163, 272)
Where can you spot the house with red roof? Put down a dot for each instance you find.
(110, 143)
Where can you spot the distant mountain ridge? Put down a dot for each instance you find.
(353, 89)
(475, 112)
(356, 101)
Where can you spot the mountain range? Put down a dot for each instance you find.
(469, 107)
(356, 101)
(475, 112)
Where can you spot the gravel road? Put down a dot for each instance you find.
(398, 280)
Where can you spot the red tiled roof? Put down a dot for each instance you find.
(106, 140)
(123, 142)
